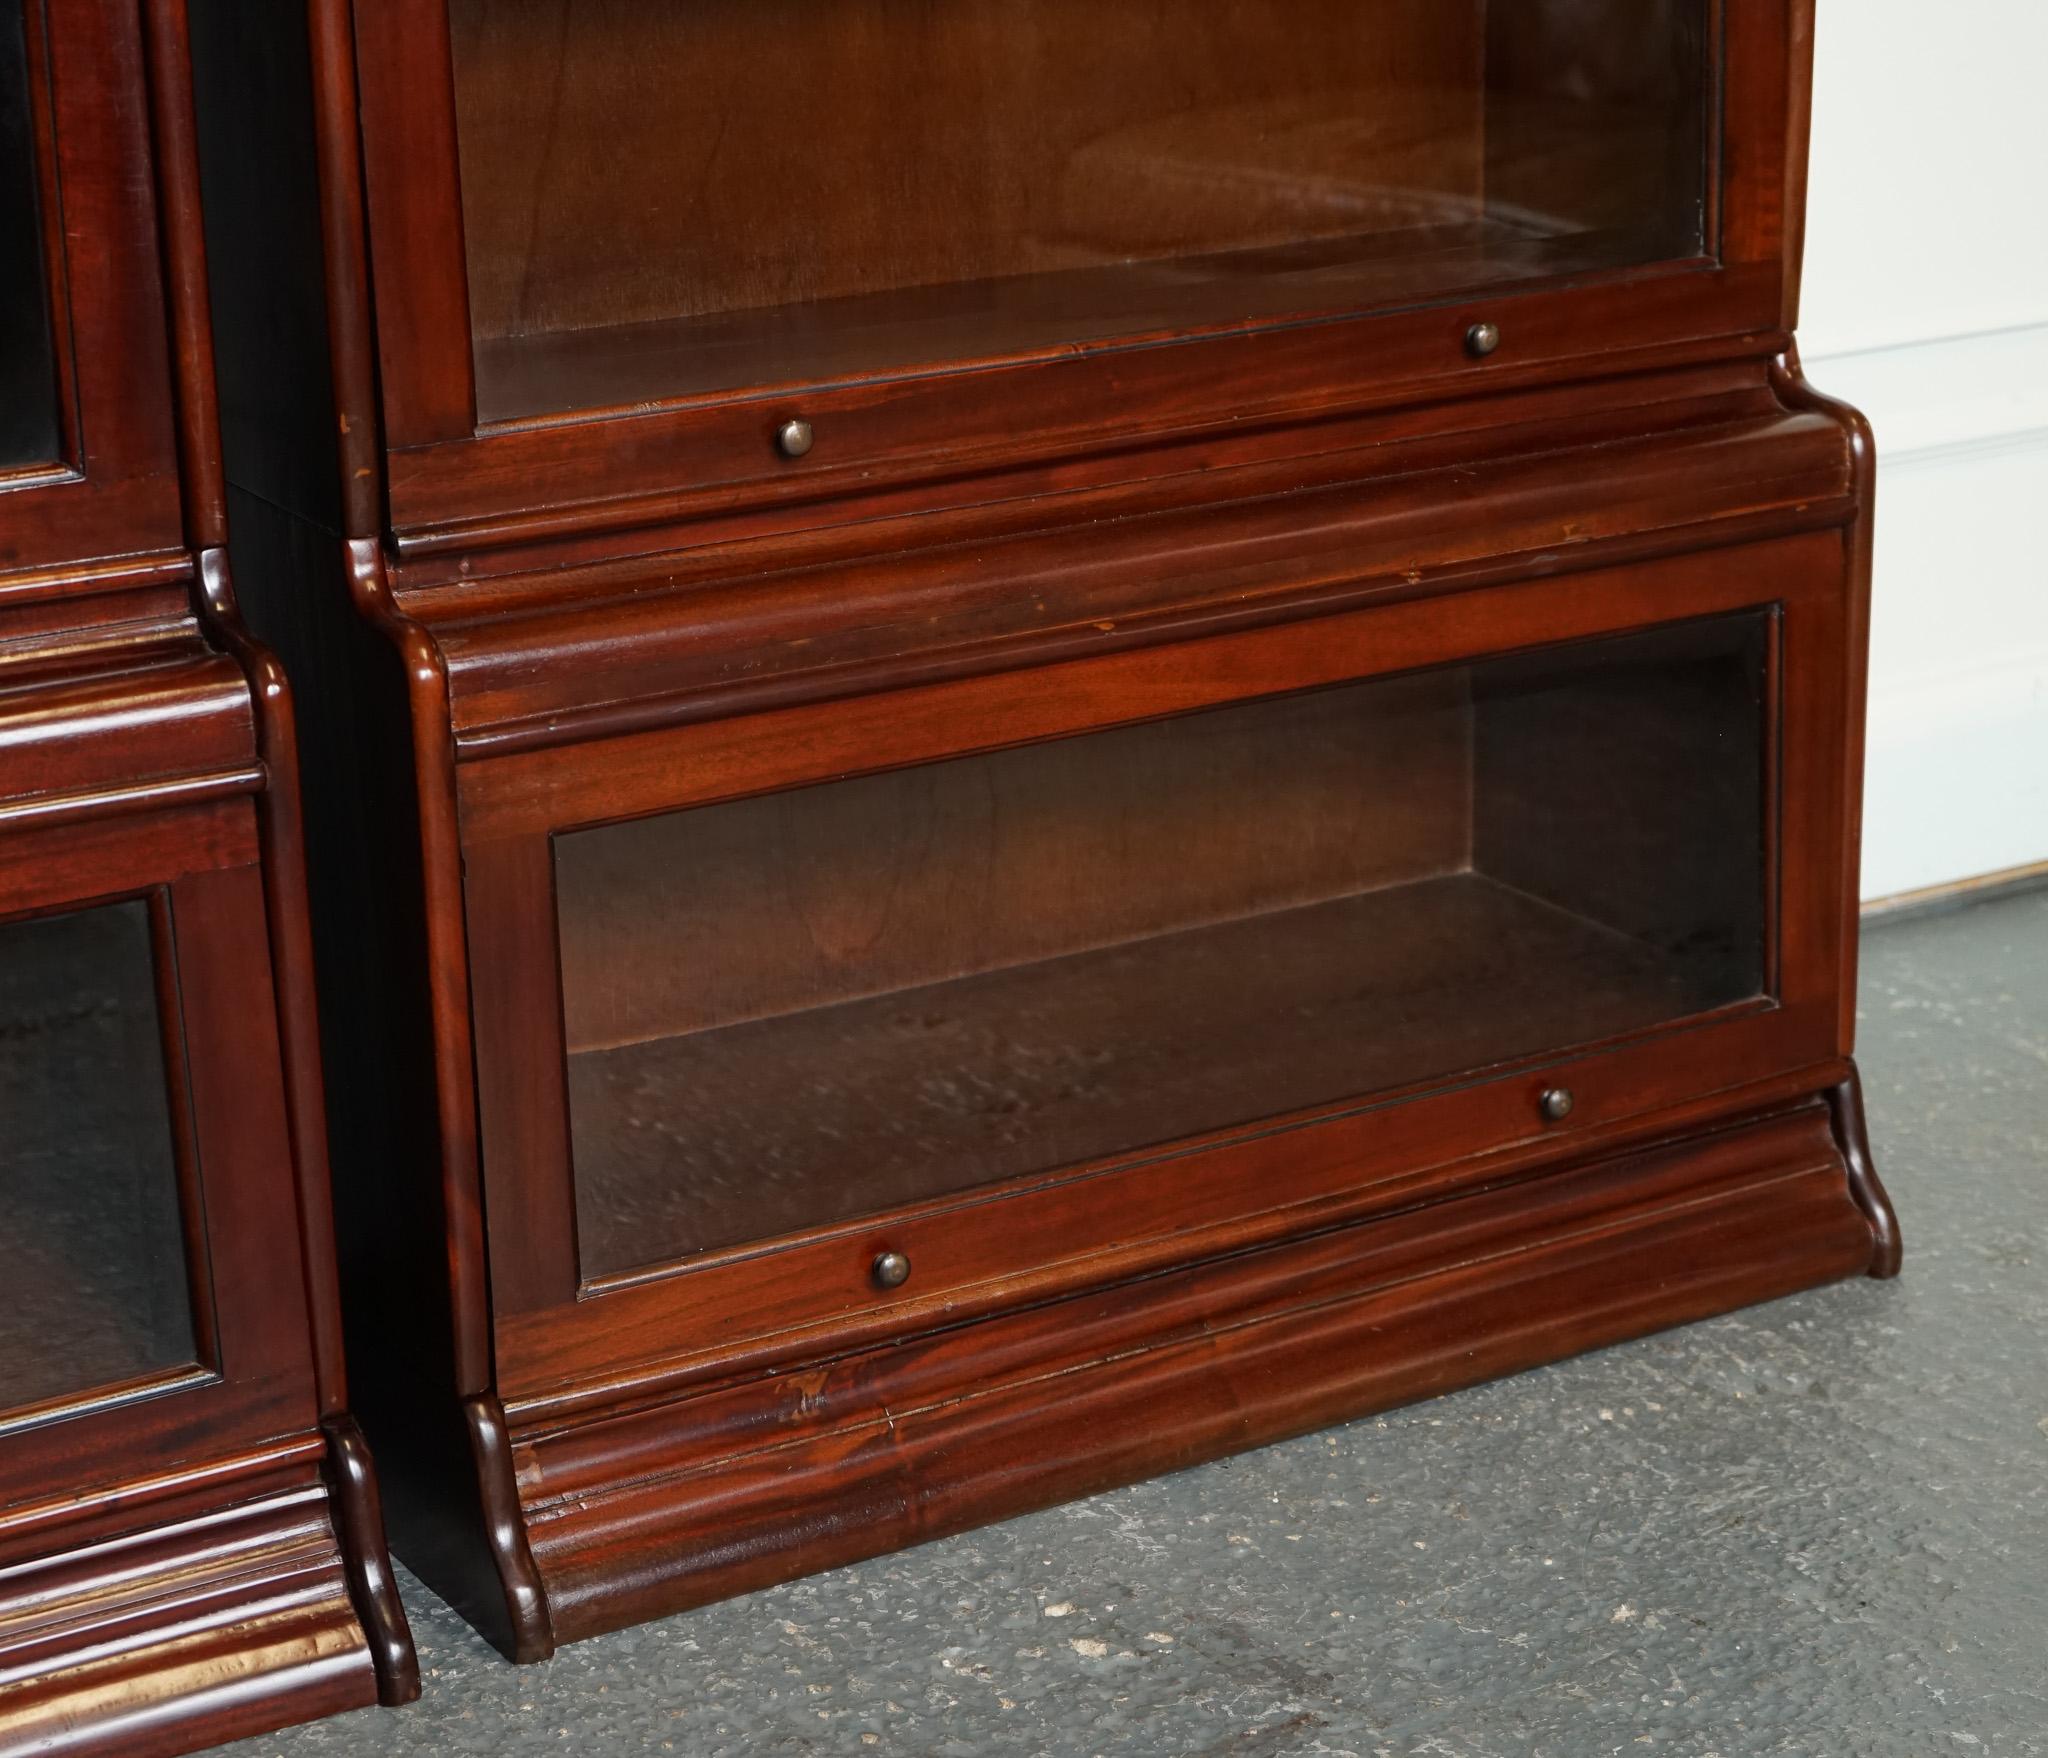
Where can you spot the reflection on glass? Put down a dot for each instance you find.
(814, 1005)
(660, 199)
(93, 1284)
(28, 394)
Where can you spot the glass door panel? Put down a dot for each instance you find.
(95, 1289)
(665, 199)
(810, 1006)
(28, 377)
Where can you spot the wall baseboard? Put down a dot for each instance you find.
(1939, 900)
(1958, 754)
(1957, 783)
(1946, 396)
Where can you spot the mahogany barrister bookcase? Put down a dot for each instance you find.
(190, 1543)
(1046, 737)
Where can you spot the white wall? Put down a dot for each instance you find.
(1926, 304)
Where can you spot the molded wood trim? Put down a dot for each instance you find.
(729, 1490)
(159, 1642)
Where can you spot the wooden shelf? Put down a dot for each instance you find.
(621, 366)
(750, 1131)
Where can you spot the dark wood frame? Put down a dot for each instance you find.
(111, 494)
(454, 485)
(166, 903)
(222, 1519)
(517, 631)
(559, 1339)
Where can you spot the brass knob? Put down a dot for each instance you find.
(794, 438)
(1481, 340)
(1556, 1104)
(891, 1270)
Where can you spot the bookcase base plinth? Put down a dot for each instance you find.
(226, 1623)
(636, 1513)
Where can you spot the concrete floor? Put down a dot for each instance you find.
(1820, 1527)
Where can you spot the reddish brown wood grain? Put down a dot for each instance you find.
(682, 760)
(750, 625)
(717, 456)
(451, 489)
(697, 1499)
(1039, 137)
(223, 1627)
(119, 490)
(409, 96)
(505, 631)
(196, 1556)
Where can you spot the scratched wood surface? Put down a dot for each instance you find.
(1051, 525)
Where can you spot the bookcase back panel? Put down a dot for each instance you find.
(93, 1255)
(802, 1007)
(659, 198)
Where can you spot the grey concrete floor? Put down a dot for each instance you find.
(1819, 1527)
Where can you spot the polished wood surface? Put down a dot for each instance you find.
(544, 373)
(111, 490)
(190, 1548)
(631, 161)
(1047, 1240)
(697, 1499)
(392, 67)
(570, 677)
(864, 994)
(222, 1627)
(660, 202)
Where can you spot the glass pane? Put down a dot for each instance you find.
(814, 1005)
(93, 1285)
(28, 380)
(665, 198)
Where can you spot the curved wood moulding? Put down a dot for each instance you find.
(532, 1634)
(180, 1592)
(227, 1624)
(661, 1508)
(572, 653)
(373, 1590)
(191, 1548)
(514, 619)
(1853, 1132)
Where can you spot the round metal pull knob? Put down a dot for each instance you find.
(1481, 340)
(1556, 1104)
(891, 1270)
(794, 438)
